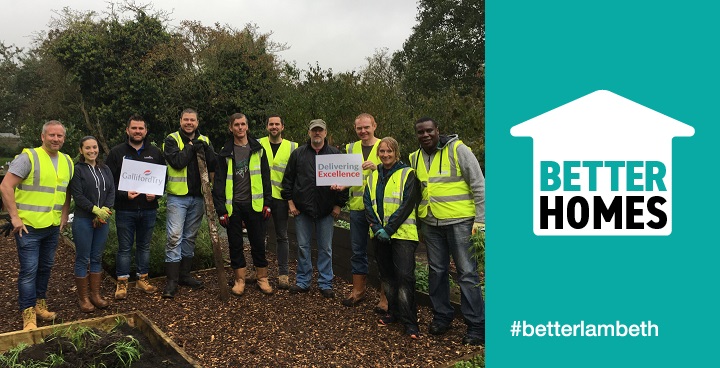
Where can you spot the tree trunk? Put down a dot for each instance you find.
(210, 212)
(95, 129)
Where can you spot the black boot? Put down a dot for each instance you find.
(185, 278)
(172, 272)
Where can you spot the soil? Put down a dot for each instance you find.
(280, 330)
(94, 352)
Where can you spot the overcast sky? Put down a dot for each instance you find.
(338, 34)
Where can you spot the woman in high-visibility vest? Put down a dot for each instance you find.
(93, 189)
(391, 197)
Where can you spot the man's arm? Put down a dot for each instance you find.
(473, 176)
(8, 185)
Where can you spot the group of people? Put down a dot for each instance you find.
(438, 196)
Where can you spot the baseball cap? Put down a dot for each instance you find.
(317, 123)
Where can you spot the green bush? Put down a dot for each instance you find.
(477, 361)
(203, 246)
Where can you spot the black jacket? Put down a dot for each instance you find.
(186, 157)
(299, 183)
(91, 186)
(221, 173)
(411, 198)
(150, 154)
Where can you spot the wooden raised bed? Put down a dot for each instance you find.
(137, 320)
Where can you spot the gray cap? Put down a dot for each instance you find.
(317, 123)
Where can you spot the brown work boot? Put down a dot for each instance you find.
(239, 288)
(29, 318)
(82, 292)
(121, 288)
(358, 292)
(42, 311)
(95, 293)
(382, 306)
(283, 282)
(144, 284)
(262, 280)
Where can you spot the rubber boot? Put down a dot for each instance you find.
(185, 278)
(29, 318)
(82, 292)
(42, 312)
(262, 280)
(172, 272)
(382, 306)
(358, 292)
(95, 293)
(144, 284)
(239, 287)
(121, 288)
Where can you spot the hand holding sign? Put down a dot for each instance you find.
(142, 177)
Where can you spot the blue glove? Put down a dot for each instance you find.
(382, 235)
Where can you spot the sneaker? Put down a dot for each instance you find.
(436, 328)
(283, 282)
(473, 340)
(144, 285)
(121, 289)
(327, 293)
(294, 289)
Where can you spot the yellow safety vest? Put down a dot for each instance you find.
(392, 198)
(278, 162)
(256, 184)
(177, 179)
(443, 187)
(40, 197)
(356, 193)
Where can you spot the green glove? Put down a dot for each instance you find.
(109, 212)
(100, 213)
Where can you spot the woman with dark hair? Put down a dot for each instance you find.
(93, 190)
(391, 195)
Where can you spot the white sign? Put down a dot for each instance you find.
(340, 169)
(142, 177)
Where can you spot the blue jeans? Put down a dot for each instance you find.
(396, 263)
(36, 253)
(89, 245)
(279, 209)
(323, 228)
(359, 234)
(255, 225)
(441, 242)
(184, 215)
(134, 226)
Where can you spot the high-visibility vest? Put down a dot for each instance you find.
(256, 184)
(392, 198)
(443, 187)
(278, 162)
(40, 197)
(177, 178)
(356, 193)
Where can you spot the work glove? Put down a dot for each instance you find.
(266, 212)
(478, 226)
(382, 235)
(198, 144)
(224, 220)
(6, 229)
(109, 211)
(101, 213)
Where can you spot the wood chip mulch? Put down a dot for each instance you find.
(280, 330)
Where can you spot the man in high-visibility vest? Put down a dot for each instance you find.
(242, 193)
(185, 203)
(278, 152)
(365, 126)
(34, 192)
(451, 209)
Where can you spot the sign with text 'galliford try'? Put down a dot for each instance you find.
(142, 177)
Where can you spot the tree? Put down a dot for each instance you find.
(446, 48)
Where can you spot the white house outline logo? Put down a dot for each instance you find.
(602, 165)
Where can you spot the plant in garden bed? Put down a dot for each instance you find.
(478, 361)
(478, 248)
